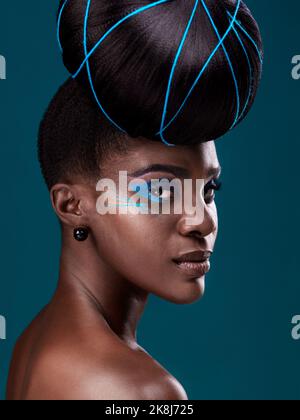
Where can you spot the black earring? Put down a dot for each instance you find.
(81, 234)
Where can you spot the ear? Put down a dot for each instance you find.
(68, 204)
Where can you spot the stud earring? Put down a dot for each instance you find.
(81, 234)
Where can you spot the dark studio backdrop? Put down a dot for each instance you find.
(237, 342)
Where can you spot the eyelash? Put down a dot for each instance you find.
(214, 185)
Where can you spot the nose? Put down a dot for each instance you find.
(199, 227)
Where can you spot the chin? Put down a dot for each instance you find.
(192, 291)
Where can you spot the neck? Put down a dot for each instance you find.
(119, 302)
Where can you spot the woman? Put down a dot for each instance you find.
(154, 84)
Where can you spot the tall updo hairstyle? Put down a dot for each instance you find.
(177, 71)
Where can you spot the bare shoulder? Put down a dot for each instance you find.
(117, 374)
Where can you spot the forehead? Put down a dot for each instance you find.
(198, 160)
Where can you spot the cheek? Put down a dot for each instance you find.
(129, 243)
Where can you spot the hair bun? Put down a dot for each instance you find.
(142, 73)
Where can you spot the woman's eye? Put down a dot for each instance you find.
(210, 188)
(160, 192)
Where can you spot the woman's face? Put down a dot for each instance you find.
(161, 253)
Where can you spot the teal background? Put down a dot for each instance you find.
(236, 343)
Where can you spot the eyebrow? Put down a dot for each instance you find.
(177, 171)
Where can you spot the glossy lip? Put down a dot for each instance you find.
(195, 263)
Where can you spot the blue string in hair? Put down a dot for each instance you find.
(140, 10)
(229, 63)
(250, 73)
(204, 67)
(89, 70)
(248, 36)
(58, 24)
(173, 71)
(87, 55)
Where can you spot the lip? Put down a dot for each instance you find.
(194, 269)
(195, 263)
(195, 256)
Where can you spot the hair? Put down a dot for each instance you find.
(74, 136)
(177, 71)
